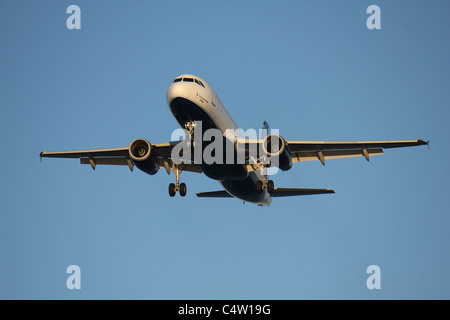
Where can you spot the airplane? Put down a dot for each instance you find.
(192, 101)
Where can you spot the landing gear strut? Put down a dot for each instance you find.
(190, 126)
(177, 186)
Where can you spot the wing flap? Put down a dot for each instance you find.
(334, 154)
(120, 161)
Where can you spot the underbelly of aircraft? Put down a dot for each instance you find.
(246, 190)
(185, 111)
(224, 171)
(234, 177)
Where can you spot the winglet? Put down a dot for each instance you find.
(40, 156)
(422, 142)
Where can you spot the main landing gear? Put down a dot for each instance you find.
(177, 186)
(265, 184)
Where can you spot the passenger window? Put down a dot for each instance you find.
(177, 80)
(188, 80)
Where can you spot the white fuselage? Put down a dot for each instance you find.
(196, 101)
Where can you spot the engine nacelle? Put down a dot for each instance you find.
(277, 152)
(141, 153)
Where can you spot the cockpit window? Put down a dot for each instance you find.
(189, 80)
(199, 82)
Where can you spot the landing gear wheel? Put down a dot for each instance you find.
(259, 187)
(172, 190)
(270, 186)
(182, 189)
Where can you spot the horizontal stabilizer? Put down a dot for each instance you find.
(214, 194)
(287, 192)
(278, 192)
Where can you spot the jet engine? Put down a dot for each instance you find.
(275, 148)
(141, 153)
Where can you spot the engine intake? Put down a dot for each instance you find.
(275, 148)
(141, 153)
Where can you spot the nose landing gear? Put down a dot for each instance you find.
(177, 186)
(190, 126)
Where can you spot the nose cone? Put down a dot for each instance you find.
(173, 91)
(178, 88)
(187, 89)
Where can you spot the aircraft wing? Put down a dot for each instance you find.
(121, 156)
(323, 150)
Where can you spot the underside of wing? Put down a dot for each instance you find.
(342, 145)
(297, 150)
(113, 152)
(334, 154)
(113, 156)
(140, 150)
(323, 150)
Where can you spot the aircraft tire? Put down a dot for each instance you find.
(259, 187)
(183, 189)
(270, 186)
(172, 189)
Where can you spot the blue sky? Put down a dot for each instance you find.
(310, 68)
